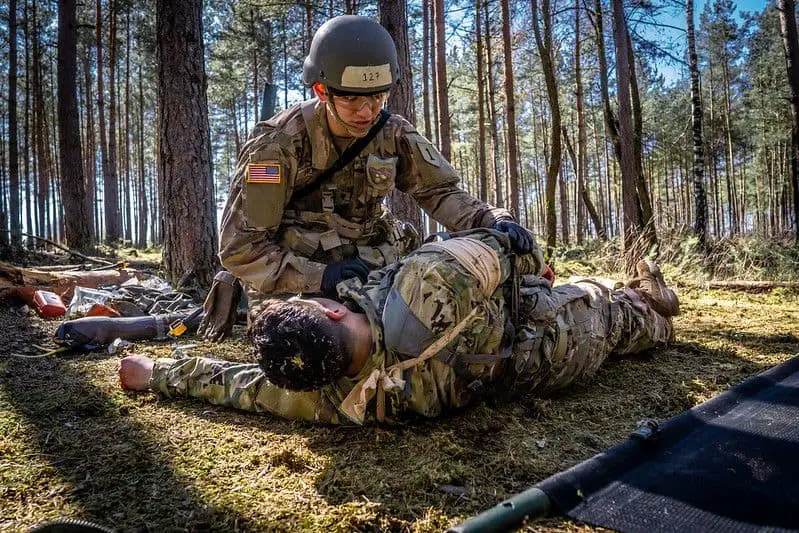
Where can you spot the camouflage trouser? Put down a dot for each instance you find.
(567, 333)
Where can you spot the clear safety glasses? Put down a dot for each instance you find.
(355, 103)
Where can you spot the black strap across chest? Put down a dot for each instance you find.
(346, 157)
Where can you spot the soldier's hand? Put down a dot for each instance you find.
(337, 272)
(520, 238)
(220, 307)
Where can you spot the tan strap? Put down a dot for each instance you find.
(475, 256)
(381, 380)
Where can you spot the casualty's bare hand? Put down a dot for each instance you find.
(135, 372)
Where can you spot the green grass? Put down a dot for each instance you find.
(73, 444)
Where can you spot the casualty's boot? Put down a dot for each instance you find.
(653, 288)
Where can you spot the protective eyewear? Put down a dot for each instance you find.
(355, 103)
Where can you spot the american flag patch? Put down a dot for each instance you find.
(263, 172)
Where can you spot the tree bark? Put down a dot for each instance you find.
(481, 134)
(444, 129)
(700, 197)
(644, 201)
(426, 16)
(393, 16)
(499, 199)
(107, 214)
(26, 153)
(15, 222)
(78, 235)
(545, 51)
(142, 200)
(189, 215)
(90, 153)
(510, 110)
(789, 38)
(582, 192)
(113, 231)
(129, 189)
(40, 132)
(630, 225)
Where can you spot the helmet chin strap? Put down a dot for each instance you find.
(349, 129)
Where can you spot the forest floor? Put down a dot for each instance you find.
(73, 444)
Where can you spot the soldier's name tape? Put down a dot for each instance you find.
(267, 172)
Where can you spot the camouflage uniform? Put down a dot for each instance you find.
(280, 244)
(563, 334)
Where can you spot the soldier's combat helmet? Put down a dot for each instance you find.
(352, 55)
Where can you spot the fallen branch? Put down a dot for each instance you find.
(23, 282)
(753, 286)
(64, 248)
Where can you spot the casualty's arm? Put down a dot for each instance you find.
(238, 385)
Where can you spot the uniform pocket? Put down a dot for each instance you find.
(381, 174)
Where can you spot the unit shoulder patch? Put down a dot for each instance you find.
(425, 149)
(265, 172)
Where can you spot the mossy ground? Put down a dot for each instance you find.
(73, 444)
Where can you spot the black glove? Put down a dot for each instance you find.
(337, 272)
(520, 238)
(220, 307)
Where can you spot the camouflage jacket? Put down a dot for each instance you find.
(281, 227)
(433, 303)
(440, 292)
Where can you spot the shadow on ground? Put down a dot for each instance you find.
(90, 458)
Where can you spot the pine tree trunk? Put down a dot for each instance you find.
(492, 112)
(582, 192)
(111, 181)
(40, 131)
(90, 153)
(107, 211)
(15, 221)
(580, 162)
(142, 199)
(626, 132)
(789, 39)
(127, 192)
(26, 156)
(481, 135)
(611, 130)
(393, 16)
(308, 38)
(256, 94)
(645, 214)
(735, 208)
(426, 66)
(545, 51)
(565, 221)
(78, 236)
(510, 110)
(700, 199)
(189, 217)
(444, 129)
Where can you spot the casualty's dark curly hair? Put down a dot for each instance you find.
(297, 345)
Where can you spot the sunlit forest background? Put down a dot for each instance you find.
(577, 115)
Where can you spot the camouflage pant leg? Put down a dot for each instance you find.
(636, 327)
(575, 334)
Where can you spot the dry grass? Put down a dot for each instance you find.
(72, 444)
